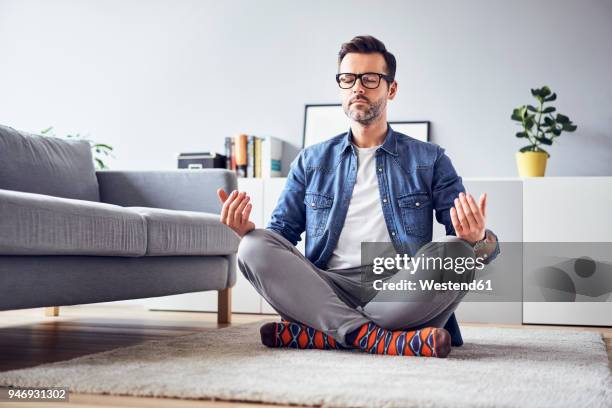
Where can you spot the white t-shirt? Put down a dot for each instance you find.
(364, 219)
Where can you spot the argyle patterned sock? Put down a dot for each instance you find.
(295, 335)
(425, 342)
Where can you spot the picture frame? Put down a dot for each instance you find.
(416, 129)
(323, 121)
(326, 120)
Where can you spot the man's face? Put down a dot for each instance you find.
(361, 104)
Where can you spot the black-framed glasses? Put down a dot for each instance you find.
(370, 80)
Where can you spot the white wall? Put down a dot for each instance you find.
(157, 77)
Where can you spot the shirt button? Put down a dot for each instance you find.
(393, 233)
(417, 204)
(380, 169)
(313, 204)
(384, 200)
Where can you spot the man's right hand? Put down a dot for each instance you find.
(236, 210)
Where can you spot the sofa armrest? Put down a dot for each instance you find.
(183, 190)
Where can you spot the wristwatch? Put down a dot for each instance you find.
(480, 244)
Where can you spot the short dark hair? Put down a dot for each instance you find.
(366, 44)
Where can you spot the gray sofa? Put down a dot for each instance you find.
(72, 235)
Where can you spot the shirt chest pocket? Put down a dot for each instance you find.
(416, 211)
(318, 207)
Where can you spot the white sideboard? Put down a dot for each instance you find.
(550, 209)
(573, 210)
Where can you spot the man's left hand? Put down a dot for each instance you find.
(469, 218)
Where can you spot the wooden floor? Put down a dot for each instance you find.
(28, 338)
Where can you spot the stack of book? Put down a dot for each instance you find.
(252, 156)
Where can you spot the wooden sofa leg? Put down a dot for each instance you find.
(52, 311)
(224, 306)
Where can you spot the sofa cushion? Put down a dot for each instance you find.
(47, 165)
(171, 233)
(35, 224)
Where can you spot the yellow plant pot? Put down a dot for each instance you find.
(531, 164)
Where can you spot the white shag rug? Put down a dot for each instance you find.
(495, 368)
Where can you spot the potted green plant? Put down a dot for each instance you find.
(540, 126)
(99, 151)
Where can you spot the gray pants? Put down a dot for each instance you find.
(333, 301)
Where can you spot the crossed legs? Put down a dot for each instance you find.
(329, 301)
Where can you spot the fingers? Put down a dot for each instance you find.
(236, 210)
(463, 219)
(234, 219)
(225, 208)
(238, 218)
(231, 213)
(247, 212)
(475, 210)
(456, 222)
(222, 195)
(468, 211)
(469, 217)
(483, 205)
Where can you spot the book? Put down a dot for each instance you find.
(228, 153)
(232, 155)
(271, 157)
(250, 170)
(258, 157)
(240, 142)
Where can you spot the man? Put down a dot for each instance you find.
(370, 184)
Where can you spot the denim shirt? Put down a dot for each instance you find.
(415, 179)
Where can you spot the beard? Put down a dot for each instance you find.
(367, 116)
